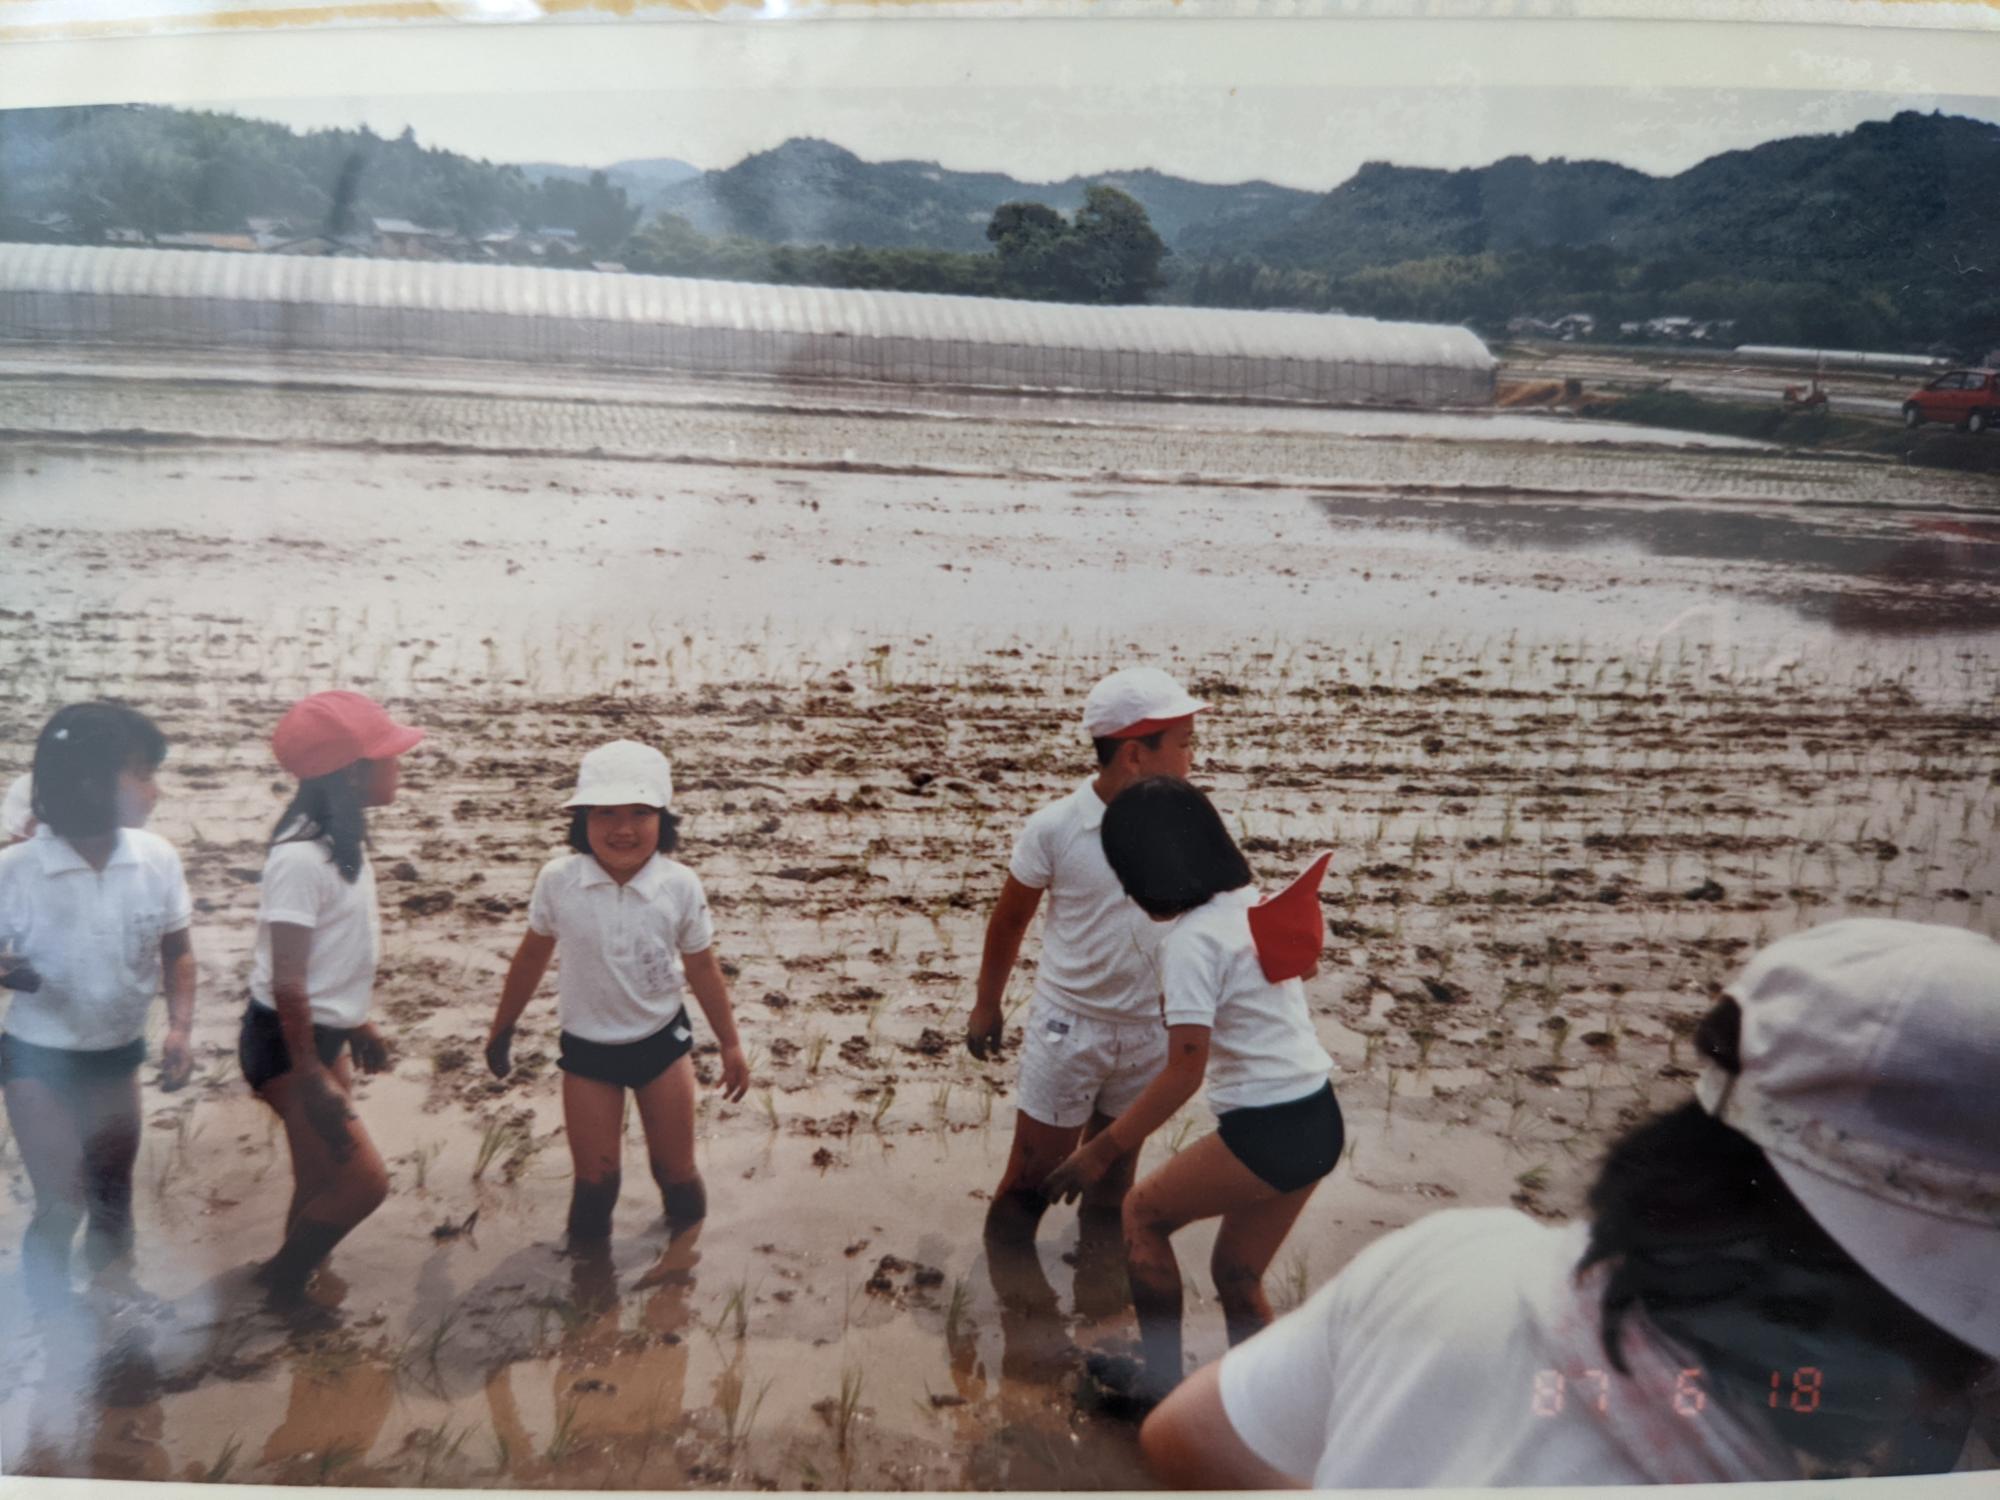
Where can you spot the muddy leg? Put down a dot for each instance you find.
(594, 1120)
(343, 1178)
(666, 1115)
(50, 1138)
(1018, 1204)
(1245, 1246)
(112, 1147)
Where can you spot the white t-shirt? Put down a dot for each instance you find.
(1464, 1350)
(304, 887)
(93, 936)
(1262, 1048)
(619, 976)
(1099, 951)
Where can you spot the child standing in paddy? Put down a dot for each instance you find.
(93, 912)
(1236, 1016)
(1094, 1038)
(635, 933)
(313, 976)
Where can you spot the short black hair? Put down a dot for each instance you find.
(1700, 1236)
(1166, 844)
(1107, 745)
(79, 756)
(579, 831)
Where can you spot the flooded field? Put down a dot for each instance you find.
(1585, 723)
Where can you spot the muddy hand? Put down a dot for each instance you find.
(327, 1111)
(1074, 1177)
(982, 1034)
(498, 1046)
(176, 1063)
(735, 1074)
(371, 1053)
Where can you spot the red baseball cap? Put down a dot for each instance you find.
(321, 734)
(1288, 930)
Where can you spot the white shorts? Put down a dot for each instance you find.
(1074, 1065)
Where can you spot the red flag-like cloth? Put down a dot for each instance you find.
(1288, 929)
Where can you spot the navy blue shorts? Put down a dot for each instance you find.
(629, 1065)
(1288, 1145)
(65, 1067)
(261, 1049)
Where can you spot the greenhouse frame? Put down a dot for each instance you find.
(208, 299)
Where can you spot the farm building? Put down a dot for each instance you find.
(77, 294)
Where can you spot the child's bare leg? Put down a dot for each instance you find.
(594, 1121)
(343, 1181)
(1018, 1204)
(50, 1139)
(112, 1146)
(1202, 1182)
(666, 1114)
(1245, 1246)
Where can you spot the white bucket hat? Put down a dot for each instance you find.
(1135, 701)
(1870, 1054)
(621, 774)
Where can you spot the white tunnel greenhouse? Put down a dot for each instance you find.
(207, 299)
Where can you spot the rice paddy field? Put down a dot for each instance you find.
(1586, 717)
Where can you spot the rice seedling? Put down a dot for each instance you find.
(563, 1440)
(815, 1051)
(770, 1109)
(1535, 1179)
(335, 1457)
(219, 1467)
(738, 1416)
(497, 1137)
(955, 1309)
(735, 1314)
(883, 1102)
(847, 1408)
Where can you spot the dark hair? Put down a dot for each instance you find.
(79, 756)
(1166, 844)
(328, 807)
(1106, 745)
(1701, 1236)
(579, 831)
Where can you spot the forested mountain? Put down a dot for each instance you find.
(1887, 235)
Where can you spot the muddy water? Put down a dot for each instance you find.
(1575, 761)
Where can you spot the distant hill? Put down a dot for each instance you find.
(643, 181)
(1887, 235)
(809, 192)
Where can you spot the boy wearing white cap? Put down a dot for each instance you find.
(1094, 1034)
(635, 934)
(1794, 1275)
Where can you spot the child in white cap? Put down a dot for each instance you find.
(1094, 1037)
(1794, 1275)
(635, 934)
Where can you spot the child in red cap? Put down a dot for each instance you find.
(318, 939)
(636, 938)
(1237, 1019)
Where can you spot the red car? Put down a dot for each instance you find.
(1965, 398)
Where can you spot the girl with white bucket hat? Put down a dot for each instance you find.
(636, 937)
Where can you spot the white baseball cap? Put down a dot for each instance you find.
(1135, 701)
(1870, 1076)
(621, 774)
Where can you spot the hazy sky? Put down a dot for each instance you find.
(1298, 101)
(1299, 136)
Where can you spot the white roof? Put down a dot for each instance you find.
(536, 290)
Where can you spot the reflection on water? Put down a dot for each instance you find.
(1886, 573)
